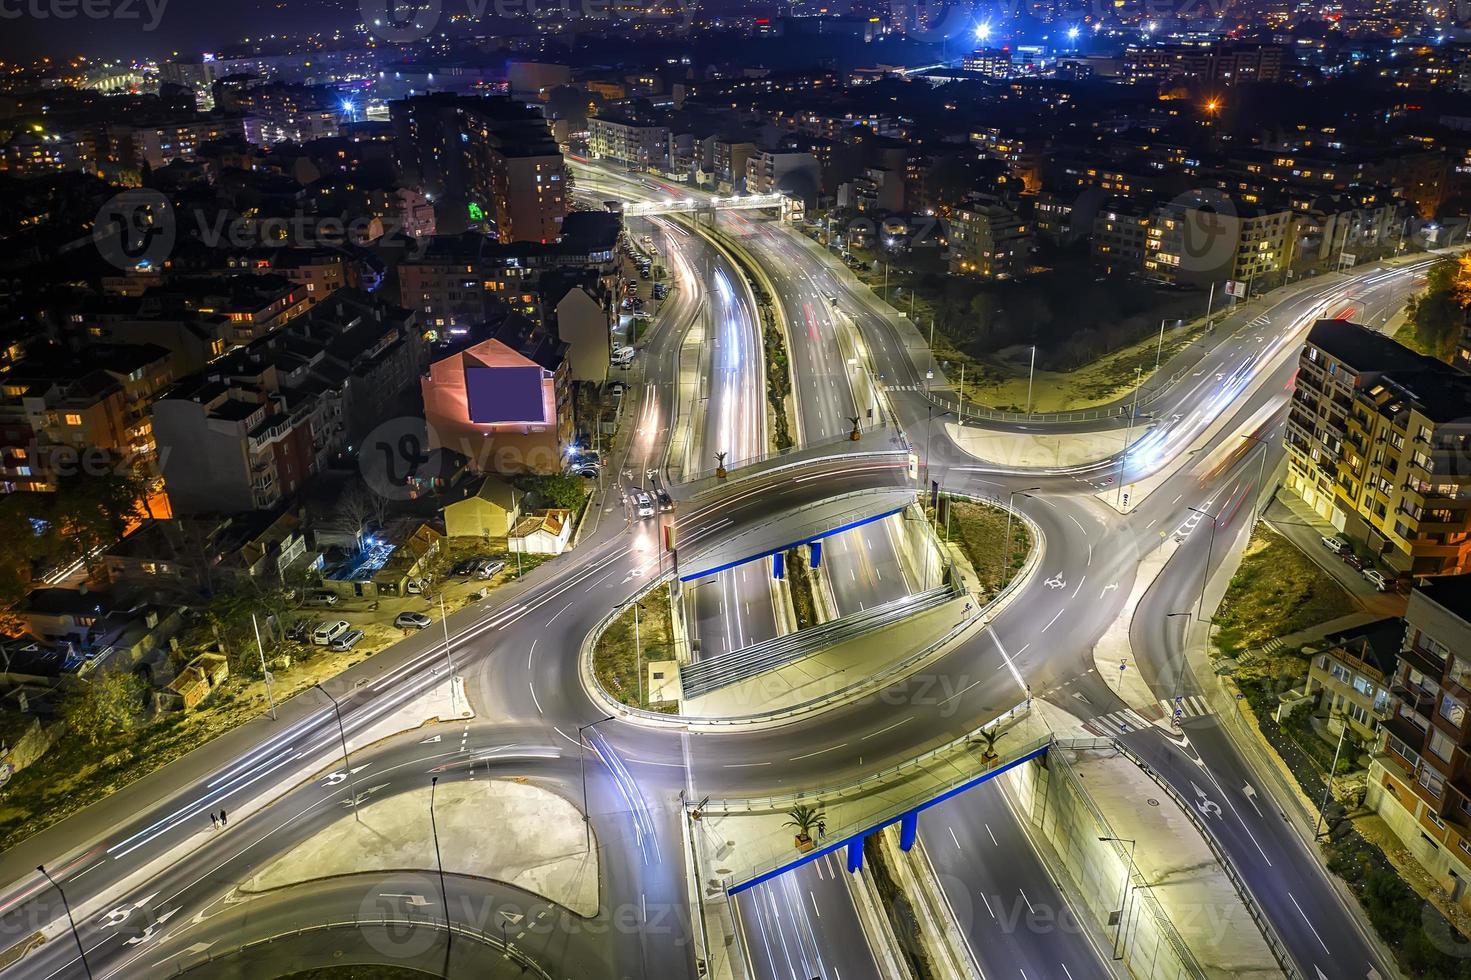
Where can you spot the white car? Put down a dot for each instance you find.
(327, 632)
(1376, 578)
(1334, 545)
(644, 504)
(346, 641)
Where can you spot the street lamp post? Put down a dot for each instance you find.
(1129, 433)
(448, 654)
(1006, 539)
(352, 788)
(1118, 951)
(582, 766)
(1180, 674)
(1261, 474)
(638, 655)
(449, 932)
(1031, 374)
(81, 950)
(1206, 573)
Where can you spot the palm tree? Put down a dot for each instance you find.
(805, 819)
(989, 737)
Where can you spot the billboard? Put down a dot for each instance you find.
(504, 394)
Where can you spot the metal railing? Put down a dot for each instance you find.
(1264, 924)
(509, 950)
(700, 482)
(735, 666)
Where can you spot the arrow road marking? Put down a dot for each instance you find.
(340, 776)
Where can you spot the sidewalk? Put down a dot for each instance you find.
(1289, 516)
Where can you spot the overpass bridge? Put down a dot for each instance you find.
(705, 205)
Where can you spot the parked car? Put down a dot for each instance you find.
(321, 597)
(1334, 544)
(464, 569)
(644, 504)
(298, 631)
(346, 641)
(411, 620)
(1352, 560)
(326, 632)
(488, 569)
(617, 388)
(1376, 578)
(416, 586)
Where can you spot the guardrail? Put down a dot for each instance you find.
(735, 666)
(700, 482)
(1264, 924)
(848, 693)
(509, 950)
(781, 802)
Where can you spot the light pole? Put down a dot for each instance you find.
(81, 950)
(1118, 952)
(582, 765)
(1206, 573)
(1180, 674)
(449, 932)
(638, 656)
(1006, 539)
(1128, 434)
(1261, 473)
(352, 788)
(1328, 783)
(448, 654)
(264, 670)
(1031, 374)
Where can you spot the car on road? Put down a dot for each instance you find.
(411, 620)
(346, 641)
(327, 632)
(1376, 578)
(617, 387)
(1334, 544)
(666, 502)
(643, 504)
(321, 597)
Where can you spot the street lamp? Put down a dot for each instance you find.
(448, 655)
(1261, 474)
(582, 765)
(352, 788)
(81, 951)
(1205, 575)
(1180, 674)
(449, 932)
(1118, 951)
(1006, 539)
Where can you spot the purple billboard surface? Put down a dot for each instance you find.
(504, 394)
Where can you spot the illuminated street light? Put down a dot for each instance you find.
(983, 32)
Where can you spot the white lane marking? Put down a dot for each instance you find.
(831, 748)
(890, 728)
(532, 689)
(1052, 620)
(954, 838)
(1310, 925)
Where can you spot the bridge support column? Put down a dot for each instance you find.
(779, 565)
(908, 829)
(816, 554)
(855, 855)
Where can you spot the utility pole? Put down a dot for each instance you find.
(448, 654)
(265, 672)
(1209, 302)
(1006, 549)
(1031, 374)
(638, 655)
(1328, 784)
(1206, 573)
(582, 767)
(1128, 434)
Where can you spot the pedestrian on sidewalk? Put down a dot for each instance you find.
(822, 830)
(214, 820)
(223, 818)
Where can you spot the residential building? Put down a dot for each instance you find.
(796, 173)
(1353, 672)
(1420, 782)
(629, 142)
(1226, 64)
(1376, 442)
(989, 240)
(480, 507)
(1204, 239)
(544, 532)
(503, 402)
(1121, 235)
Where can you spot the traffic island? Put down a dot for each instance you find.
(539, 843)
(642, 634)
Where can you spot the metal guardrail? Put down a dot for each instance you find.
(1264, 924)
(700, 482)
(781, 802)
(735, 666)
(508, 950)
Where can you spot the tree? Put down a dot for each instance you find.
(989, 737)
(109, 705)
(805, 818)
(560, 490)
(354, 508)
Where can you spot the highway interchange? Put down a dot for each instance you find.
(146, 856)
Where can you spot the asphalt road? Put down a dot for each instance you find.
(518, 652)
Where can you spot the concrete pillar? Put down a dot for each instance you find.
(779, 565)
(817, 554)
(908, 829)
(855, 855)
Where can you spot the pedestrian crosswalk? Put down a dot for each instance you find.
(1193, 706)
(1117, 722)
(1261, 321)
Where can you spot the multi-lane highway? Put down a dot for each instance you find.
(147, 850)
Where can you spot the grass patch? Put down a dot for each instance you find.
(616, 657)
(980, 529)
(1278, 590)
(799, 582)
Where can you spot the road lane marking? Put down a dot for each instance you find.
(954, 838)
(532, 689)
(890, 728)
(1310, 925)
(832, 748)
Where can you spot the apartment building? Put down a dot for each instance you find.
(629, 142)
(988, 240)
(1377, 440)
(1352, 676)
(1199, 241)
(1226, 64)
(770, 171)
(1121, 235)
(1420, 780)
